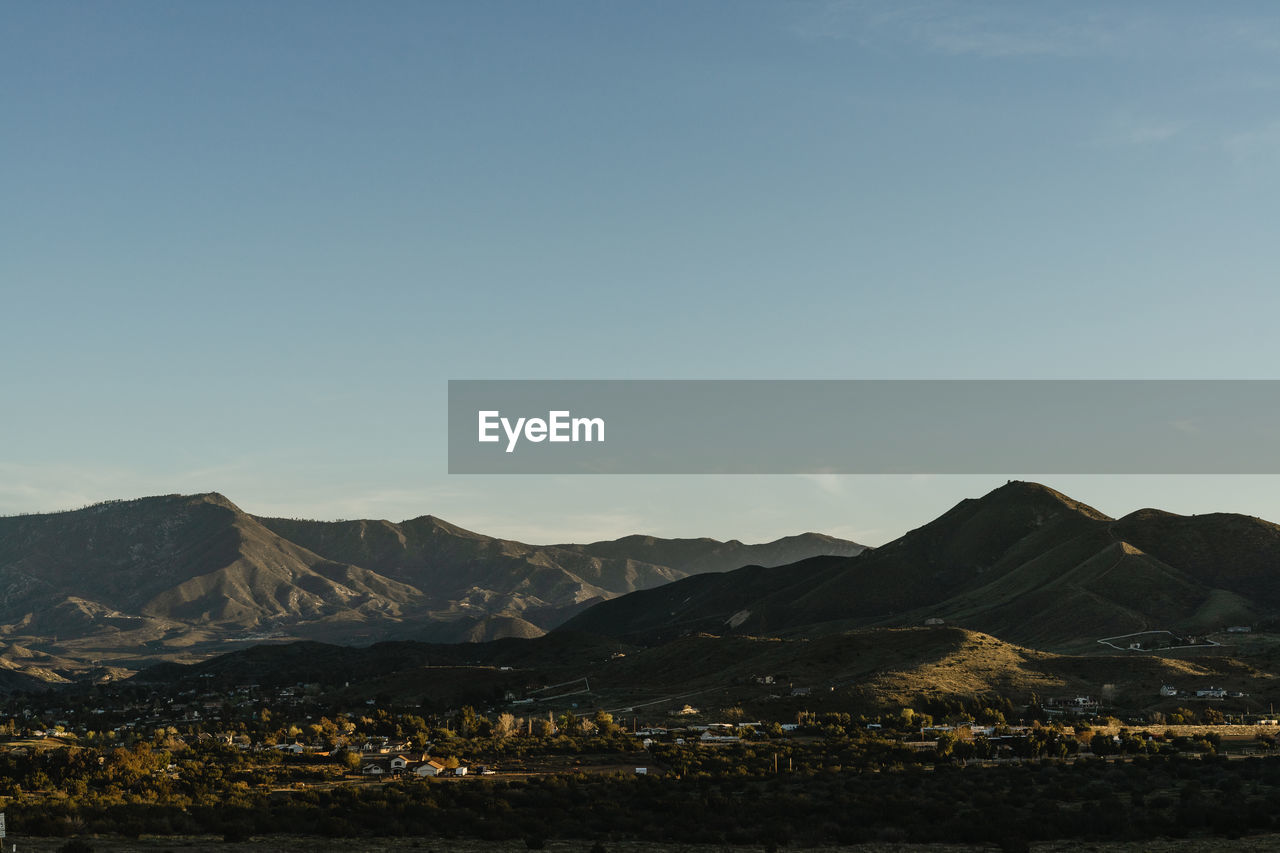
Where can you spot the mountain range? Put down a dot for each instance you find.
(1019, 573)
(120, 584)
(1024, 563)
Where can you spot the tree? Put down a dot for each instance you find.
(1101, 744)
(472, 724)
(604, 722)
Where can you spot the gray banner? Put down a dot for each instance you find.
(864, 426)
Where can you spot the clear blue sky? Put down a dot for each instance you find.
(243, 245)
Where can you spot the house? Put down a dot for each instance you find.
(709, 737)
(1071, 704)
(428, 768)
(398, 764)
(375, 767)
(1212, 693)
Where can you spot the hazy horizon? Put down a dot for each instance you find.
(879, 499)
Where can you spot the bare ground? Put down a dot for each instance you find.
(286, 844)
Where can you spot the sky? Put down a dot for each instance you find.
(245, 245)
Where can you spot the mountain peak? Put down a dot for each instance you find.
(214, 499)
(1028, 492)
(436, 525)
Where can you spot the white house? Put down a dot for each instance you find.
(428, 768)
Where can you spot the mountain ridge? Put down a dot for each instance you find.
(1023, 562)
(183, 575)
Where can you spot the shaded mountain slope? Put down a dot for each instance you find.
(1024, 562)
(1238, 553)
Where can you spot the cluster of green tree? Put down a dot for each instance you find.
(990, 711)
(1209, 716)
(1008, 804)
